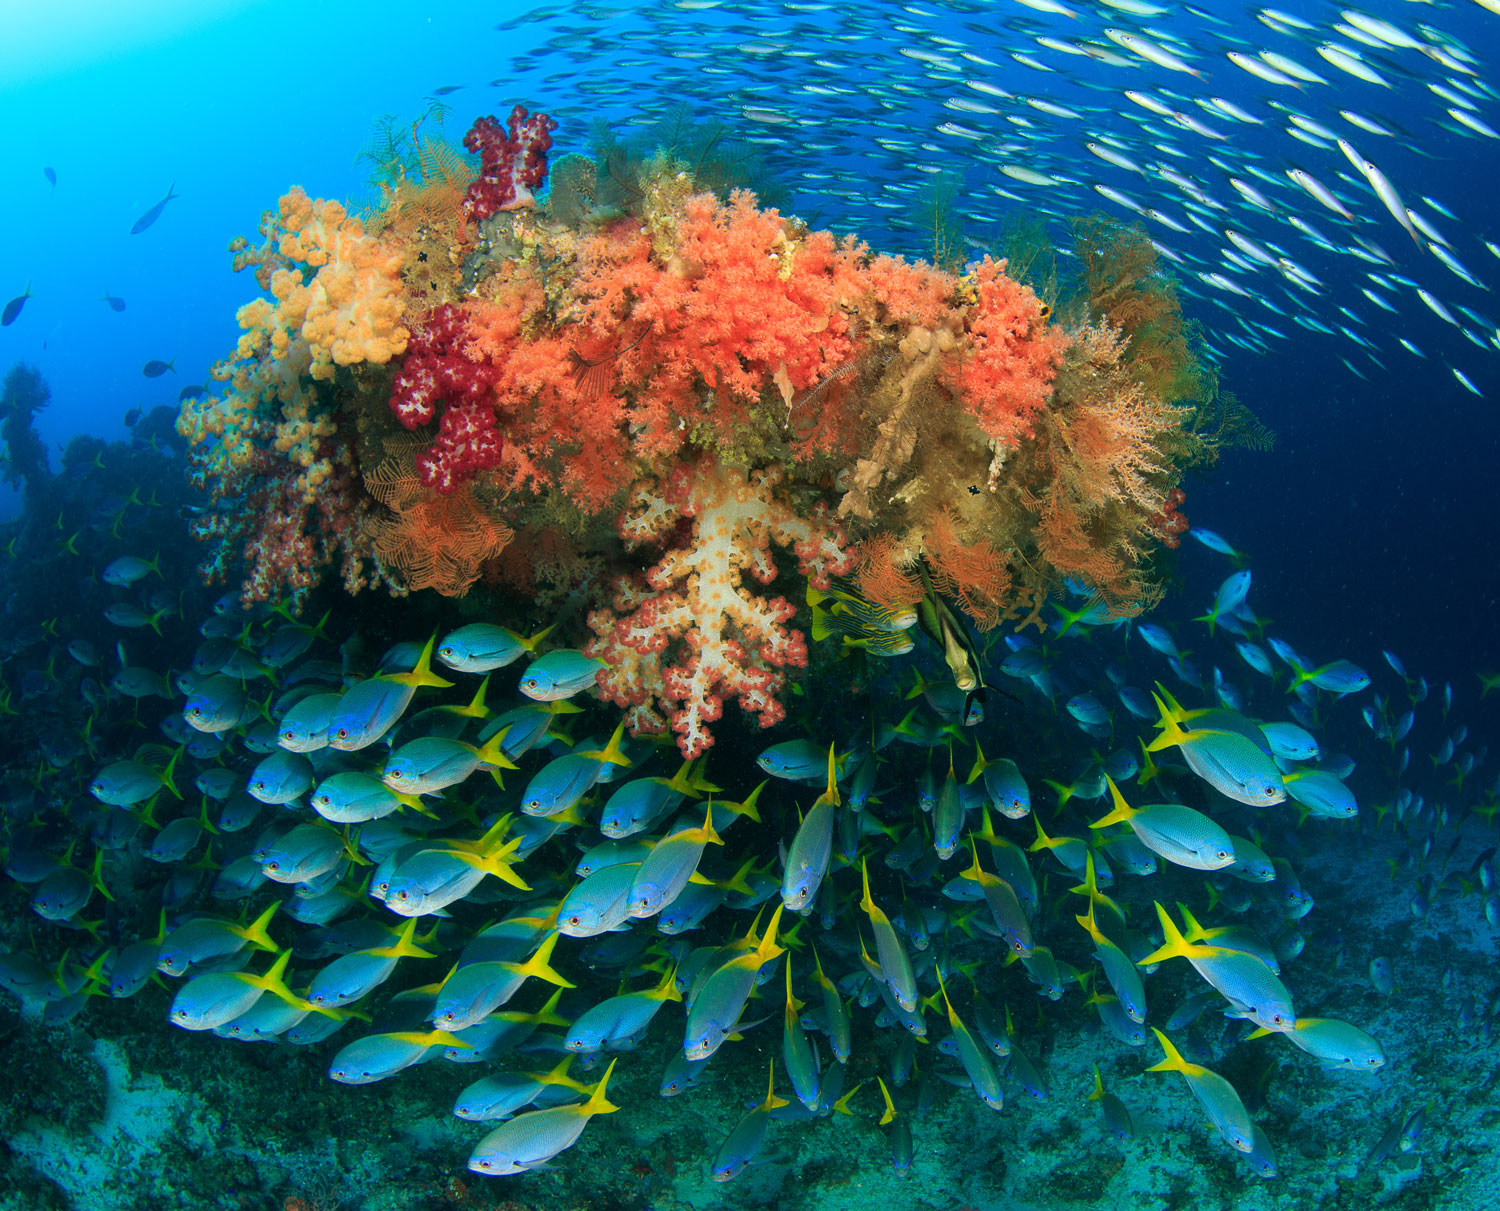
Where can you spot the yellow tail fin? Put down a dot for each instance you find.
(598, 1103)
(1122, 812)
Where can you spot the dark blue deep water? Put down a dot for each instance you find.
(1319, 183)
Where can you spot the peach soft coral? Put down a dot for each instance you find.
(690, 634)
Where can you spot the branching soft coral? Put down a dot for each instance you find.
(1104, 477)
(975, 573)
(1114, 431)
(654, 349)
(513, 161)
(339, 290)
(741, 306)
(676, 646)
(885, 575)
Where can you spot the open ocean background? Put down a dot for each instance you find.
(1372, 523)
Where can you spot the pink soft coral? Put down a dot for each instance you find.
(692, 635)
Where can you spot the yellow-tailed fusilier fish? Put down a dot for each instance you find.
(217, 703)
(429, 879)
(280, 777)
(353, 798)
(798, 1053)
(1337, 677)
(899, 1134)
(895, 964)
(378, 1056)
(564, 780)
(1004, 905)
(1071, 852)
(304, 726)
(1117, 1118)
(836, 1023)
(475, 990)
(1247, 982)
(218, 997)
(559, 674)
(948, 815)
(797, 761)
(1004, 784)
(126, 783)
(977, 1065)
(1119, 970)
(671, 864)
(616, 1020)
(720, 1001)
(1229, 598)
(350, 977)
(430, 764)
(530, 1140)
(1179, 834)
(482, 647)
(635, 805)
(66, 891)
(1229, 761)
(1217, 1096)
(1229, 937)
(1333, 1043)
(502, 1094)
(1321, 793)
(600, 903)
(205, 938)
(370, 708)
(811, 848)
(743, 1143)
(302, 853)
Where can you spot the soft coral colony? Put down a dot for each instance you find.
(693, 394)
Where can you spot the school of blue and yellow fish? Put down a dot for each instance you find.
(445, 858)
(953, 857)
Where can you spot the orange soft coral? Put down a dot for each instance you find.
(1007, 370)
(975, 574)
(886, 575)
(744, 307)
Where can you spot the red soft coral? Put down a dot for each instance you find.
(513, 162)
(437, 369)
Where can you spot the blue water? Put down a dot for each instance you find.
(1376, 497)
(1369, 525)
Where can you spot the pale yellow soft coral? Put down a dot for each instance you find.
(350, 309)
(335, 301)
